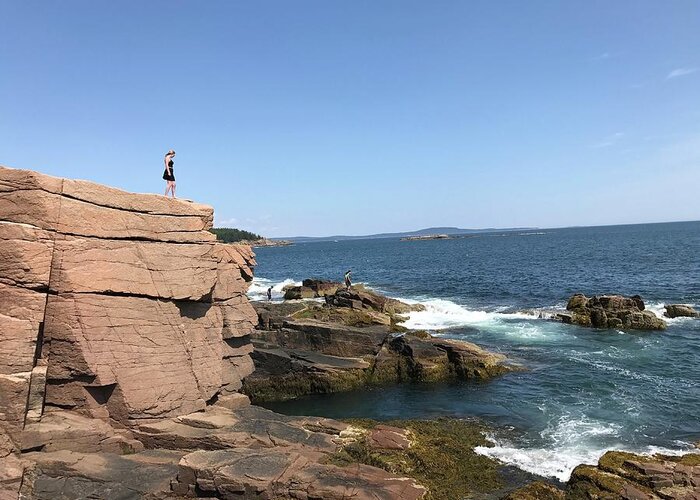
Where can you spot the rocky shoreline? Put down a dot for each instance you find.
(351, 341)
(126, 338)
(264, 242)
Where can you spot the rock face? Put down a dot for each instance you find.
(680, 310)
(611, 311)
(118, 305)
(107, 289)
(124, 339)
(351, 342)
(625, 476)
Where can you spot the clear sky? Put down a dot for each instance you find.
(354, 117)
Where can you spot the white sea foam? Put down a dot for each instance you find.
(441, 314)
(573, 441)
(258, 288)
(659, 309)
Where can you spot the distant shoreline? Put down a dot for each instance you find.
(458, 232)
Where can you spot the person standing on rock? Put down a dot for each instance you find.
(348, 283)
(269, 294)
(169, 173)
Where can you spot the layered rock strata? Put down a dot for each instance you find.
(355, 340)
(124, 339)
(247, 453)
(611, 311)
(117, 305)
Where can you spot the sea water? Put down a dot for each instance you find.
(584, 391)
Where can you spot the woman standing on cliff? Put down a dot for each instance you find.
(169, 174)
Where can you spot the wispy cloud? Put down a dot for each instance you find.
(678, 72)
(606, 55)
(608, 141)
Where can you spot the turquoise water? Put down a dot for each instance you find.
(584, 391)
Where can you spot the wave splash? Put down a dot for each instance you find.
(442, 314)
(659, 308)
(573, 441)
(258, 288)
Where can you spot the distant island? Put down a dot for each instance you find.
(428, 237)
(431, 231)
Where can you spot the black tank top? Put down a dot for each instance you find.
(170, 163)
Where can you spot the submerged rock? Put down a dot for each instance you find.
(680, 310)
(611, 311)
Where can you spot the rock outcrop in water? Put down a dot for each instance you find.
(354, 340)
(626, 476)
(680, 311)
(611, 311)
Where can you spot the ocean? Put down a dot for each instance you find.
(584, 391)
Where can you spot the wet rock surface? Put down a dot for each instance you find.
(352, 341)
(611, 311)
(680, 311)
(626, 476)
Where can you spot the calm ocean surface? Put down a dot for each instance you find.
(585, 390)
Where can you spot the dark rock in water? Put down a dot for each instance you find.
(322, 287)
(324, 349)
(611, 311)
(298, 292)
(311, 289)
(680, 310)
(626, 476)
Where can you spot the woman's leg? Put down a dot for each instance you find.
(173, 189)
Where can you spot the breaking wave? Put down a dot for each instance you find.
(573, 441)
(258, 288)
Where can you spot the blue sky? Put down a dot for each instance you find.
(355, 117)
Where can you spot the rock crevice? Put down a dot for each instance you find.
(113, 305)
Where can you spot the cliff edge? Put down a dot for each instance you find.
(116, 305)
(124, 339)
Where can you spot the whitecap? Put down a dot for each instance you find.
(442, 314)
(659, 308)
(258, 288)
(572, 441)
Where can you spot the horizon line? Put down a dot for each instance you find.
(490, 229)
